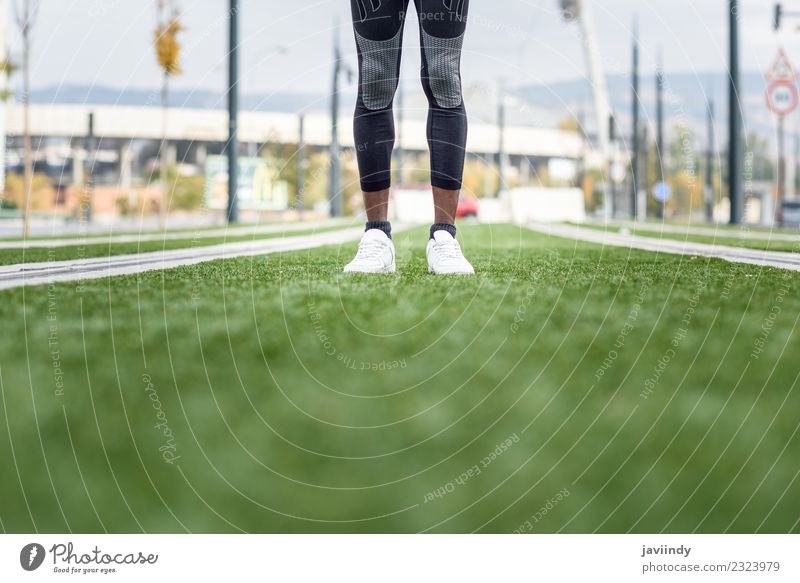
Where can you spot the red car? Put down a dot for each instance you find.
(467, 207)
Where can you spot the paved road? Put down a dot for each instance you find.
(60, 271)
(199, 233)
(734, 254)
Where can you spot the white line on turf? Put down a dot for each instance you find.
(778, 259)
(697, 230)
(200, 233)
(60, 271)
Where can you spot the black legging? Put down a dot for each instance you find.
(378, 28)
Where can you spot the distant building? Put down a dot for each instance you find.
(127, 138)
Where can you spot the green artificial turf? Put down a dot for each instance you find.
(567, 387)
(104, 249)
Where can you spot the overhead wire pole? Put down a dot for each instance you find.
(781, 160)
(709, 194)
(735, 194)
(87, 210)
(233, 110)
(26, 16)
(299, 197)
(399, 152)
(4, 86)
(584, 148)
(334, 196)
(501, 142)
(612, 140)
(780, 13)
(635, 116)
(795, 168)
(645, 176)
(660, 157)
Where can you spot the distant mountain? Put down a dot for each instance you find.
(482, 106)
(202, 99)
(544, 105)
(684, 85)
(685, 99)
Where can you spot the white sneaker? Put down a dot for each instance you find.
(445, 257)
(375, 254)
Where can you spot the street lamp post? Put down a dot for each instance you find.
(641, 200)
(400, 153)
(660, 154)
(91, 156)
(734, 117)
(233, 110)
(635, 114)
(501, 144)
(779, 13)
(709, 194)
(299, 201)
(334, 196)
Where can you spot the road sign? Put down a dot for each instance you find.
(782, 97)
(781, 69)
(662, 191)
(257, 180)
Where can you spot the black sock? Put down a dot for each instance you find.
(384, 226)
(443, 227)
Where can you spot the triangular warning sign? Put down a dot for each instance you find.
(781, 69)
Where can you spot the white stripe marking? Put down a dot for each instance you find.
(779, 259)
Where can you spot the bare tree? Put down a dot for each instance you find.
(26, 17)
(168, 51)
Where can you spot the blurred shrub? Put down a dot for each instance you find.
(187, 192)
(41, 197)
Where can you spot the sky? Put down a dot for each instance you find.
(286, 44)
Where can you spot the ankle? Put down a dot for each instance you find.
(443, 227)
(384, 226)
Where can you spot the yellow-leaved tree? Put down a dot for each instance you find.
(168, 54)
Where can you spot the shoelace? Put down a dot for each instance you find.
(448, 249)
(368, 250)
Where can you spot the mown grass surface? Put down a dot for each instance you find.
(92, 250)
(276, 377)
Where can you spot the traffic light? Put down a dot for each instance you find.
(776, 17)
